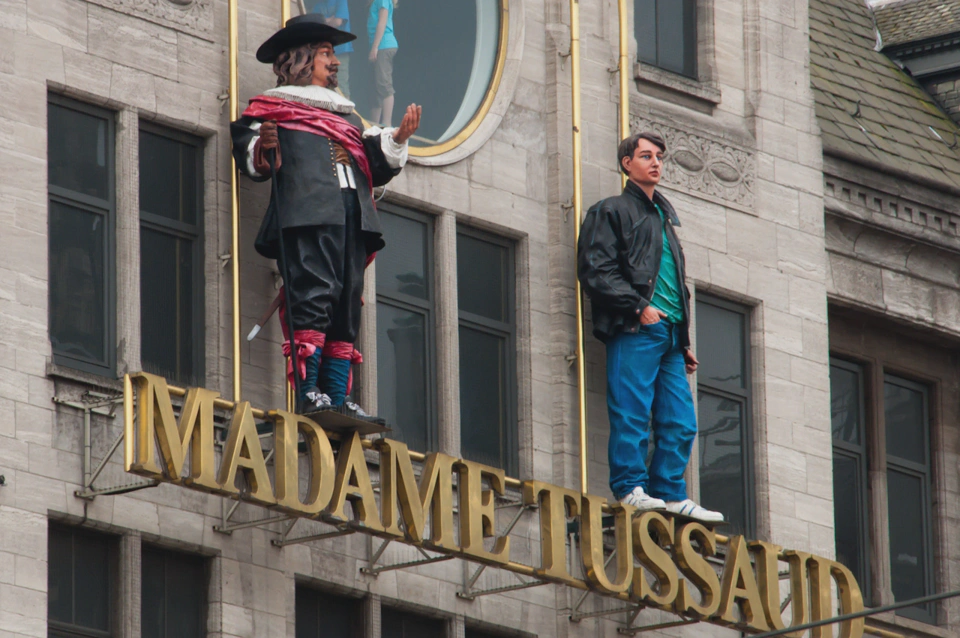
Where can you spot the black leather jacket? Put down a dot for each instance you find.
(618, 260)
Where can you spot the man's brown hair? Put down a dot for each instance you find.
(629, 145)
(294, 67)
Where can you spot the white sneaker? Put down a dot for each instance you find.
(643, 501)
(687, 507)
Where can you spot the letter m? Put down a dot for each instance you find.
(156, 424)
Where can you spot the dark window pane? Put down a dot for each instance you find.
(848, 512)
(477, 633)
(402, 265)
(906, 430)
(402, 373)
(60, 575)
(483, 396)
(167, 312)
(481, 278)
(168, 178)
(402, 624)
(153, 598)
(670, 34)
(645, 29)
(78, 151)
(720, 347)
(906, 496)
(91, 582)
(78, 267)
(79, 578)
(845, 404)
(323, 615)
(722, 479)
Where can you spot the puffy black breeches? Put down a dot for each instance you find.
(326, 274)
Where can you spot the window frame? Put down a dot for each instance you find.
(860, 454)
(182, 230)
(925, 472)
(166, 553)
(107, 210)
(425, 307)
(510, 446)
(59, 628)
(744, 396)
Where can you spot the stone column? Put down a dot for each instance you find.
(448, 334)
(128, 240)
(371, 616)
(130, 585)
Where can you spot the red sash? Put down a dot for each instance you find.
(310, 119)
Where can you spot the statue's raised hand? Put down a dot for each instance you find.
(409, 125)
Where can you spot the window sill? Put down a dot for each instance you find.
(87, 378)
(889, 620)
(668, 85)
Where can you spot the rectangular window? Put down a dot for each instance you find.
(405, 334)
(405, 624)
(80, 583)
(723, 411)
(847, 415)
(81, 191)
(324, 615)
(485, 294)
(909, 501)
(173, 594)
(666, 33)
(171, 254)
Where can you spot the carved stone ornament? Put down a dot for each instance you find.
(192, 16)
(716, 169)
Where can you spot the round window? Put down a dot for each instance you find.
(446, 56)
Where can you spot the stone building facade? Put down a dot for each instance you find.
(820, 243)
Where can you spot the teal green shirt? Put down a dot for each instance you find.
(666, 295)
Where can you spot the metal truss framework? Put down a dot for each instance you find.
(282, 525)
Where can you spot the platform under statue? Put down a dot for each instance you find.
(321, 225)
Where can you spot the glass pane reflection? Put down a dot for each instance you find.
(722, 480)
(903, 409)
(905, 495)
(720, 346)
(442, 54)
(78, 151)
(481, 277)
(402, 373)
(848, 514)
(483, 401)
(845, 404)
(402, 265)
(78, 265)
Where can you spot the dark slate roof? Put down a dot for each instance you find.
(915, 20)
(870, 110)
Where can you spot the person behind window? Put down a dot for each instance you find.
(336, 13)
(383, 49)
(631, 266)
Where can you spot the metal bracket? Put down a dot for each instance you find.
(104, 405)
(283, 541)
(631, 631)
(467, 593)
(372, 570)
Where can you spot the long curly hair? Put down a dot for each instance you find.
(294, 67)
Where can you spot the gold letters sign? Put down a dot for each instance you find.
(661, 561)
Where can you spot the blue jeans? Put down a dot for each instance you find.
(645, 372)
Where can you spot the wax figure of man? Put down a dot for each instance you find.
(631, 266)
(327, 169)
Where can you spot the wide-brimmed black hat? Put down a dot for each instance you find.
(301, 30)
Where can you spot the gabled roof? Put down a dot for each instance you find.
(906, 21)
(868, 109)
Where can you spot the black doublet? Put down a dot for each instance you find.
(308, 184)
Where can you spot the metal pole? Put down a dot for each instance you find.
(233, 63)
(284, 12)
(860, 614)
(577, 218)
(86, 448)
(624, 78)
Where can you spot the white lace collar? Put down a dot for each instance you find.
(313, 95)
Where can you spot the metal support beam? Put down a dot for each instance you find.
(472, 580)
(372, 570)
(103, 405)
(229, 529)
(630, 631)
(500, 590)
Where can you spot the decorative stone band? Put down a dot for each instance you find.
(458, 518)
(191, 16)
(718, 170)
